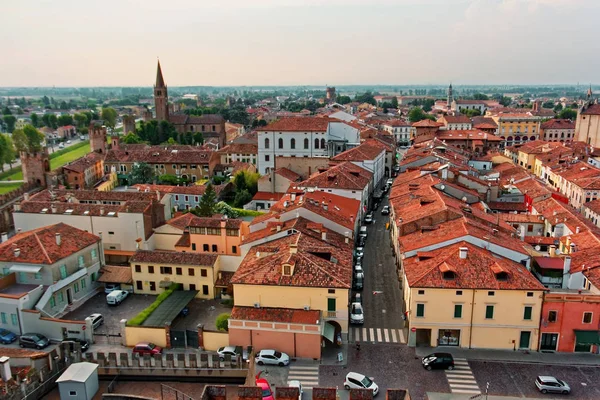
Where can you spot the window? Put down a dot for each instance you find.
(3, 315)
(52, 302)
(76, 287)
(178, 271)
(420, 310)
(191, 271)
(138, 268)
(458, 311)
(14, 320)
(306, 143)
(233, 232)
(205, 290)
(234, 249)
(459, 292)
(203, 272)
(94, 276)
(63, 271)
(529, 294)
(491, 293)
(587, 317)
(322, 143)
(280, 144)
(267, 158)
(421, 292)
(193, 246)
(153, 286)
(331, 304)
(94, 254)
(192, 286)
(316, 143)
(166, 270)
(205, 247)
(73, 392)
(213, 231)
(61, 297)
(214, 248)
(111, 233)
(150, 269)
(38, 276)
(489, 312)
(83, 283)
(139, 285)
(552, 316)
(527, 313)
(293, 143)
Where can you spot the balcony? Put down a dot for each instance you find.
(340, 314)
(548, 281)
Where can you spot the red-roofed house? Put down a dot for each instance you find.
(272, 187)
(557, 130)
(370, 155)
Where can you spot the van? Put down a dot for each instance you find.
(116, 297)
(97, 320)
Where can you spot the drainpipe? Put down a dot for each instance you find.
(471, 324)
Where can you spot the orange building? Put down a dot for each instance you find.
(84, 172)
(216, 235)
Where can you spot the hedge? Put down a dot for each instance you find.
(145, 313)
(247, 213)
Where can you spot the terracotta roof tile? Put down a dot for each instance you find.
(81, 164)
(298, 124)
(593, 109)
(224, 279)
(366, 151)
(558, 124)
(174, 258)
(267, 196)
(288, 174)
(342, 176)
(283, 315)
(115, 274)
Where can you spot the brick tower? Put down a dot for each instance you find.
(128, 124)
(161, 98)
(98, 138)
(35, 166)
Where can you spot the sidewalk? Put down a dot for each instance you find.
(450, 396)
(515, 356)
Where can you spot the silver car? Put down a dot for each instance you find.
(356, 314)
(549, 384)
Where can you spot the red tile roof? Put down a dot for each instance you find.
(182, 221)
(366, 151)
(81, 164)
(558, 124)
(288, 174)
(593, 109)
(298, 124)
(283, 315)
(426, 123)
(39, 246)
(115, 274)
(342, 176)
(240, 148)
(555, 263)
(477, 271)
(158, 154)
(267, 196)
(456, 119)
(173, 258)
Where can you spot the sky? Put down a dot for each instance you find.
(298, 42)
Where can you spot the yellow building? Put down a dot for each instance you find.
(517, 127)
(154, 271)
(292, 292)
(465, 296)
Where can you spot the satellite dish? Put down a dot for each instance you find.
(464, 199)
(443, 187)
(538, 248)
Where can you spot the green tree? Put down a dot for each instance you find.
(50, 120)
(167, 179)
(63, 105)
(428, 105)
(505, 101)
(366, 97)
(567, 113)
(65, 120)
(207, 202)
(480, 96)
(222, 322)
(343, 99)
(10, 121)
(394, 102)
(131, 138)
(46, 100)
(7, 151)
(81, 120)
(35, 120)
(141, 173)
(109, 115)
(28, 139)
(257, 123)
(242, 197)
(471, 113)
(6, 111)
(558, 107)
(416, 114)
(548, 104)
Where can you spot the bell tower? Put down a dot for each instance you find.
(450, 99)
(161, 98)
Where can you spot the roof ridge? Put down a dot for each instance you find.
(35, 234)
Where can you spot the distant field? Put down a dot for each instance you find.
(69, 156)
(9, 187)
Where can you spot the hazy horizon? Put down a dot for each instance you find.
(66, 43)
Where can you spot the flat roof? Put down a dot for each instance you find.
(17, 290)
(169, 309)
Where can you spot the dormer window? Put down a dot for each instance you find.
(449, 275)
(287, 270)
(502, 276)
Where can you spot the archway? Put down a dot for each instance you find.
(331, 332)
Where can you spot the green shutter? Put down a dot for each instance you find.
(331, 304)
(489, 312)
(52, 302)
(458, 311)
(527, 312)
(63, 271)
(420, 310)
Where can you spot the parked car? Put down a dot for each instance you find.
(360, 252)
(298, 384)
(109, 287)
(354, 380)
(389, 182)
(358, 269)
(232, 351)
(356, 314)
(396, 168)
(83, 343)
(7, 337)
(549, 384)
(362, 240)
(272, 357)
(358, 282)
(68, 142)
(438, 361)
(116, 297)
(369, 218)
(97, 320)
(267, 393)
(363, 231)
(385, 210)
(146, 348)
(34, 340)
(357, 298)
(81, 137)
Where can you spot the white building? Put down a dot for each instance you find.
(369, 156)
(400, 129)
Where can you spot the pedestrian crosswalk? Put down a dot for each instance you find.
(307, 375)
(377, 335)
(461, 379)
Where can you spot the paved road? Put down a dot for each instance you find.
(382, 298)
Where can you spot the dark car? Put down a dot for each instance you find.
(146, 348)
(362, 241)
(438, 361)
(34, 340)
(83, 343)
(358, 282)
(7, 337)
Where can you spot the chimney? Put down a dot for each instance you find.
(4, 237)
(17, 252)
(324, 236)
(293, 248)
(17, 207)
(552, 250)
(5, 373)
(293, 196)
(26, 196)
(566, 272)
(577, 230)
(258, 254)
(157, 195)
(462, 252)
(57, 236)
(324, 204)
(53, 208)
(278, 227)
(494, 231)
(102, 211)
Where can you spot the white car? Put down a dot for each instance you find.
(385, 210)
(356, 314)
(369, 218)
(360, 252)
(390, 181)
(232, 351)
(68, 142)
(358, 269)
(354, 380)
(297, 384)
(272, 357)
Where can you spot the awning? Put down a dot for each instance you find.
(25, 268)
(329, 332)
(587, 337)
